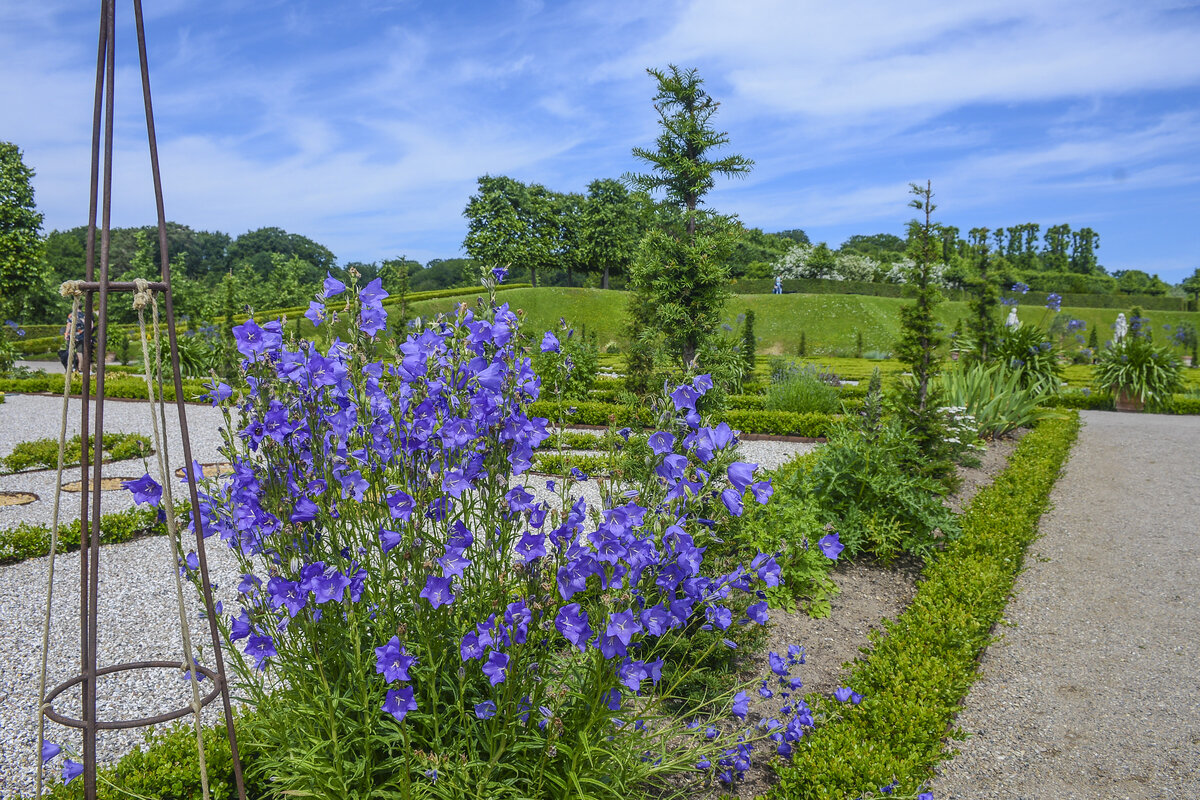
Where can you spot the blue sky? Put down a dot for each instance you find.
(364, 124)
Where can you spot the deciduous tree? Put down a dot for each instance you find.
(20, 235)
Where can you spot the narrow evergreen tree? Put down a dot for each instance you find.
(918, 343)
(682, 273)
(749, 344)
(984, 296)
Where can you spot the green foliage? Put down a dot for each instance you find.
(1027, 352)
(167, 768)
(749, 343)
(994, 397)
(27, 540)
(564, 463)
(790, 526)
(610, 229)
(1135, 366)
(115, 385)
(917, 346)
(921, 666)
(801, 389)
(512, 225)
(681, 270)
(869, 494)
(20, 241)
(571, 371)
(983, 288)
(43, 453)
(685, 283)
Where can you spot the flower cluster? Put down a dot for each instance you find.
(1054, 302)
(71, 769)
(380, 501)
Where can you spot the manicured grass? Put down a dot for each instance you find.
(830, 322)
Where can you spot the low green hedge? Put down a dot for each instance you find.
(591, 413)
(120, 386)
(27, 540)
(923, 664)
(1103, 401)
(167, 769)
(779, 423)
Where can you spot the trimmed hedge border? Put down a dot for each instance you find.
(119, 387)
(778, 423)
(28, 540)
(1103, 401)
(1069, 299)
(922, 666)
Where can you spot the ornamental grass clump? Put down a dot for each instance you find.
(419, 617)
(1135, 367)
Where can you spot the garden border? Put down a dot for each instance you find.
(922, 665)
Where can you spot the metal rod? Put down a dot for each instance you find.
(93, 588)
(198, 529)
(120, 286)
(85, 360)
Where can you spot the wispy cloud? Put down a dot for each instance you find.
(364, 124)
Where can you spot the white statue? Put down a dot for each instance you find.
(1120, 329)
(1012, 323)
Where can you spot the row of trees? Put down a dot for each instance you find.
(1059, 266)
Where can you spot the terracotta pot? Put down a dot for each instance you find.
(1127, 401)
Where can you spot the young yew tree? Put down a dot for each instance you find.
(681, 269)
(984, 289)
(919, 334)
(919, 339)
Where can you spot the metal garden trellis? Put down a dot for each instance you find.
(89, 562)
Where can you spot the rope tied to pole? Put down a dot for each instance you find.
(143, 295)
(71, 289)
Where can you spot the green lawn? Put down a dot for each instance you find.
(830, 323)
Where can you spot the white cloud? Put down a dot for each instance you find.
(856, 59)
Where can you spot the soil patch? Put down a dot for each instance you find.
(212, 470)
(17, 498)
(106, 484)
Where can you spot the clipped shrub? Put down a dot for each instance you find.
(43, 453)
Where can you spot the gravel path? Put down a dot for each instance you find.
(1092, 691)
(138, 617)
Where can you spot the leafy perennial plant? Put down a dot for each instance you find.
(417, 618)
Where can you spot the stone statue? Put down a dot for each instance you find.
(1120, 329)
(1012, 323)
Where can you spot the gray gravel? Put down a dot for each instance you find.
(138, 613)
(138, 617)
(1092, 690)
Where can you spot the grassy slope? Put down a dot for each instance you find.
(830, 322)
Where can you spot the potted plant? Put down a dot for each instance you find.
(1137, 372)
